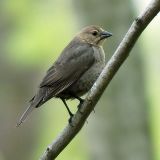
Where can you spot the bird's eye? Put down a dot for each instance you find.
(95, 33)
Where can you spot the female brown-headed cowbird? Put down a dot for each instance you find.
(74, 72)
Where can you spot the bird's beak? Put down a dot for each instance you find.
(105, 34)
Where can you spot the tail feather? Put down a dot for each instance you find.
(34, 103)
(25, 115)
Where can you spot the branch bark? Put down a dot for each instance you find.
(120, 55)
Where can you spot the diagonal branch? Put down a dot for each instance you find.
(122, 52)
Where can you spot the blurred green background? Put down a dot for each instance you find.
(125, 125)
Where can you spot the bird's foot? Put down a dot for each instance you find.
(70, 120)
(80, 104)
(81, 100)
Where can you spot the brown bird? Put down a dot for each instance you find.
(74, 72)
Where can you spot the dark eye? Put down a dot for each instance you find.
(95, 33)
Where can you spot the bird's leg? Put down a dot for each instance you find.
(80, 103)
(80, 100)
(70, 113)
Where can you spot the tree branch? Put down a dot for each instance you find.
(122, 52)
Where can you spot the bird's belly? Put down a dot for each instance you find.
(87, 80)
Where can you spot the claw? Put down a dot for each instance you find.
(70, 120)
(79, 106)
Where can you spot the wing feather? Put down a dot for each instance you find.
(74, 61)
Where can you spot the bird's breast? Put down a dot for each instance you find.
(87, 80)
(99, 54)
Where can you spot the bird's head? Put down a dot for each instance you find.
(94, 35)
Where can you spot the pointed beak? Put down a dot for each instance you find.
(105, 34)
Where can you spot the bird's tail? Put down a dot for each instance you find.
(25, 115)
(35, 102)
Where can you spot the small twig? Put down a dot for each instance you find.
(122, 52)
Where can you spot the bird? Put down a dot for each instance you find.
(74, 72)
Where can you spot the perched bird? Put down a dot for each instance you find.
(74, 72)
